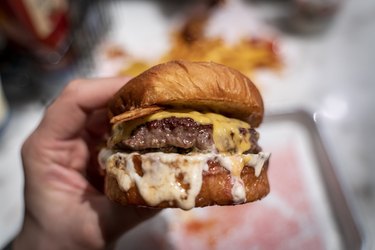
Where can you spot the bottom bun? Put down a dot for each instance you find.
(162, 180)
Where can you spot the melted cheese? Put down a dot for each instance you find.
(103, 155)
(159, 181)
(226, 133)
(235, 164)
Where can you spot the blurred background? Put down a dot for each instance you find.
(311, 55)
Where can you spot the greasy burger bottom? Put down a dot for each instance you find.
(186, 159)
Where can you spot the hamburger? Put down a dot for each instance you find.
(183, 135)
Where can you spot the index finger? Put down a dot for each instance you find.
(68, 114)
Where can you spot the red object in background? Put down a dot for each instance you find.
(40, 26)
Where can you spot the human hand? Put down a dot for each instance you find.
(63, 210)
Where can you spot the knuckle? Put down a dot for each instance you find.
(72, 89)
(71, 92)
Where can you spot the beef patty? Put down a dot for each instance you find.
(177, 135)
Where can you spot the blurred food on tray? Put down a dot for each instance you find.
(190, 42)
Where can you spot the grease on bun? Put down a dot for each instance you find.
(184, 136)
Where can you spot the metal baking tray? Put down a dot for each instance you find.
(345, 219)
(306, 208)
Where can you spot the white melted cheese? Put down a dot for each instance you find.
(103, 155)
(238, 190)
(161, 171)
(235, 164)
(258, 161)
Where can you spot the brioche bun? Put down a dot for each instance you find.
(202, 86)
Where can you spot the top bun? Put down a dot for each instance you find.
(201, 86)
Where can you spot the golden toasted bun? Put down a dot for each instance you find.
(202, 86)
(215, 190)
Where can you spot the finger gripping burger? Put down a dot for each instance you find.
(184, 136)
